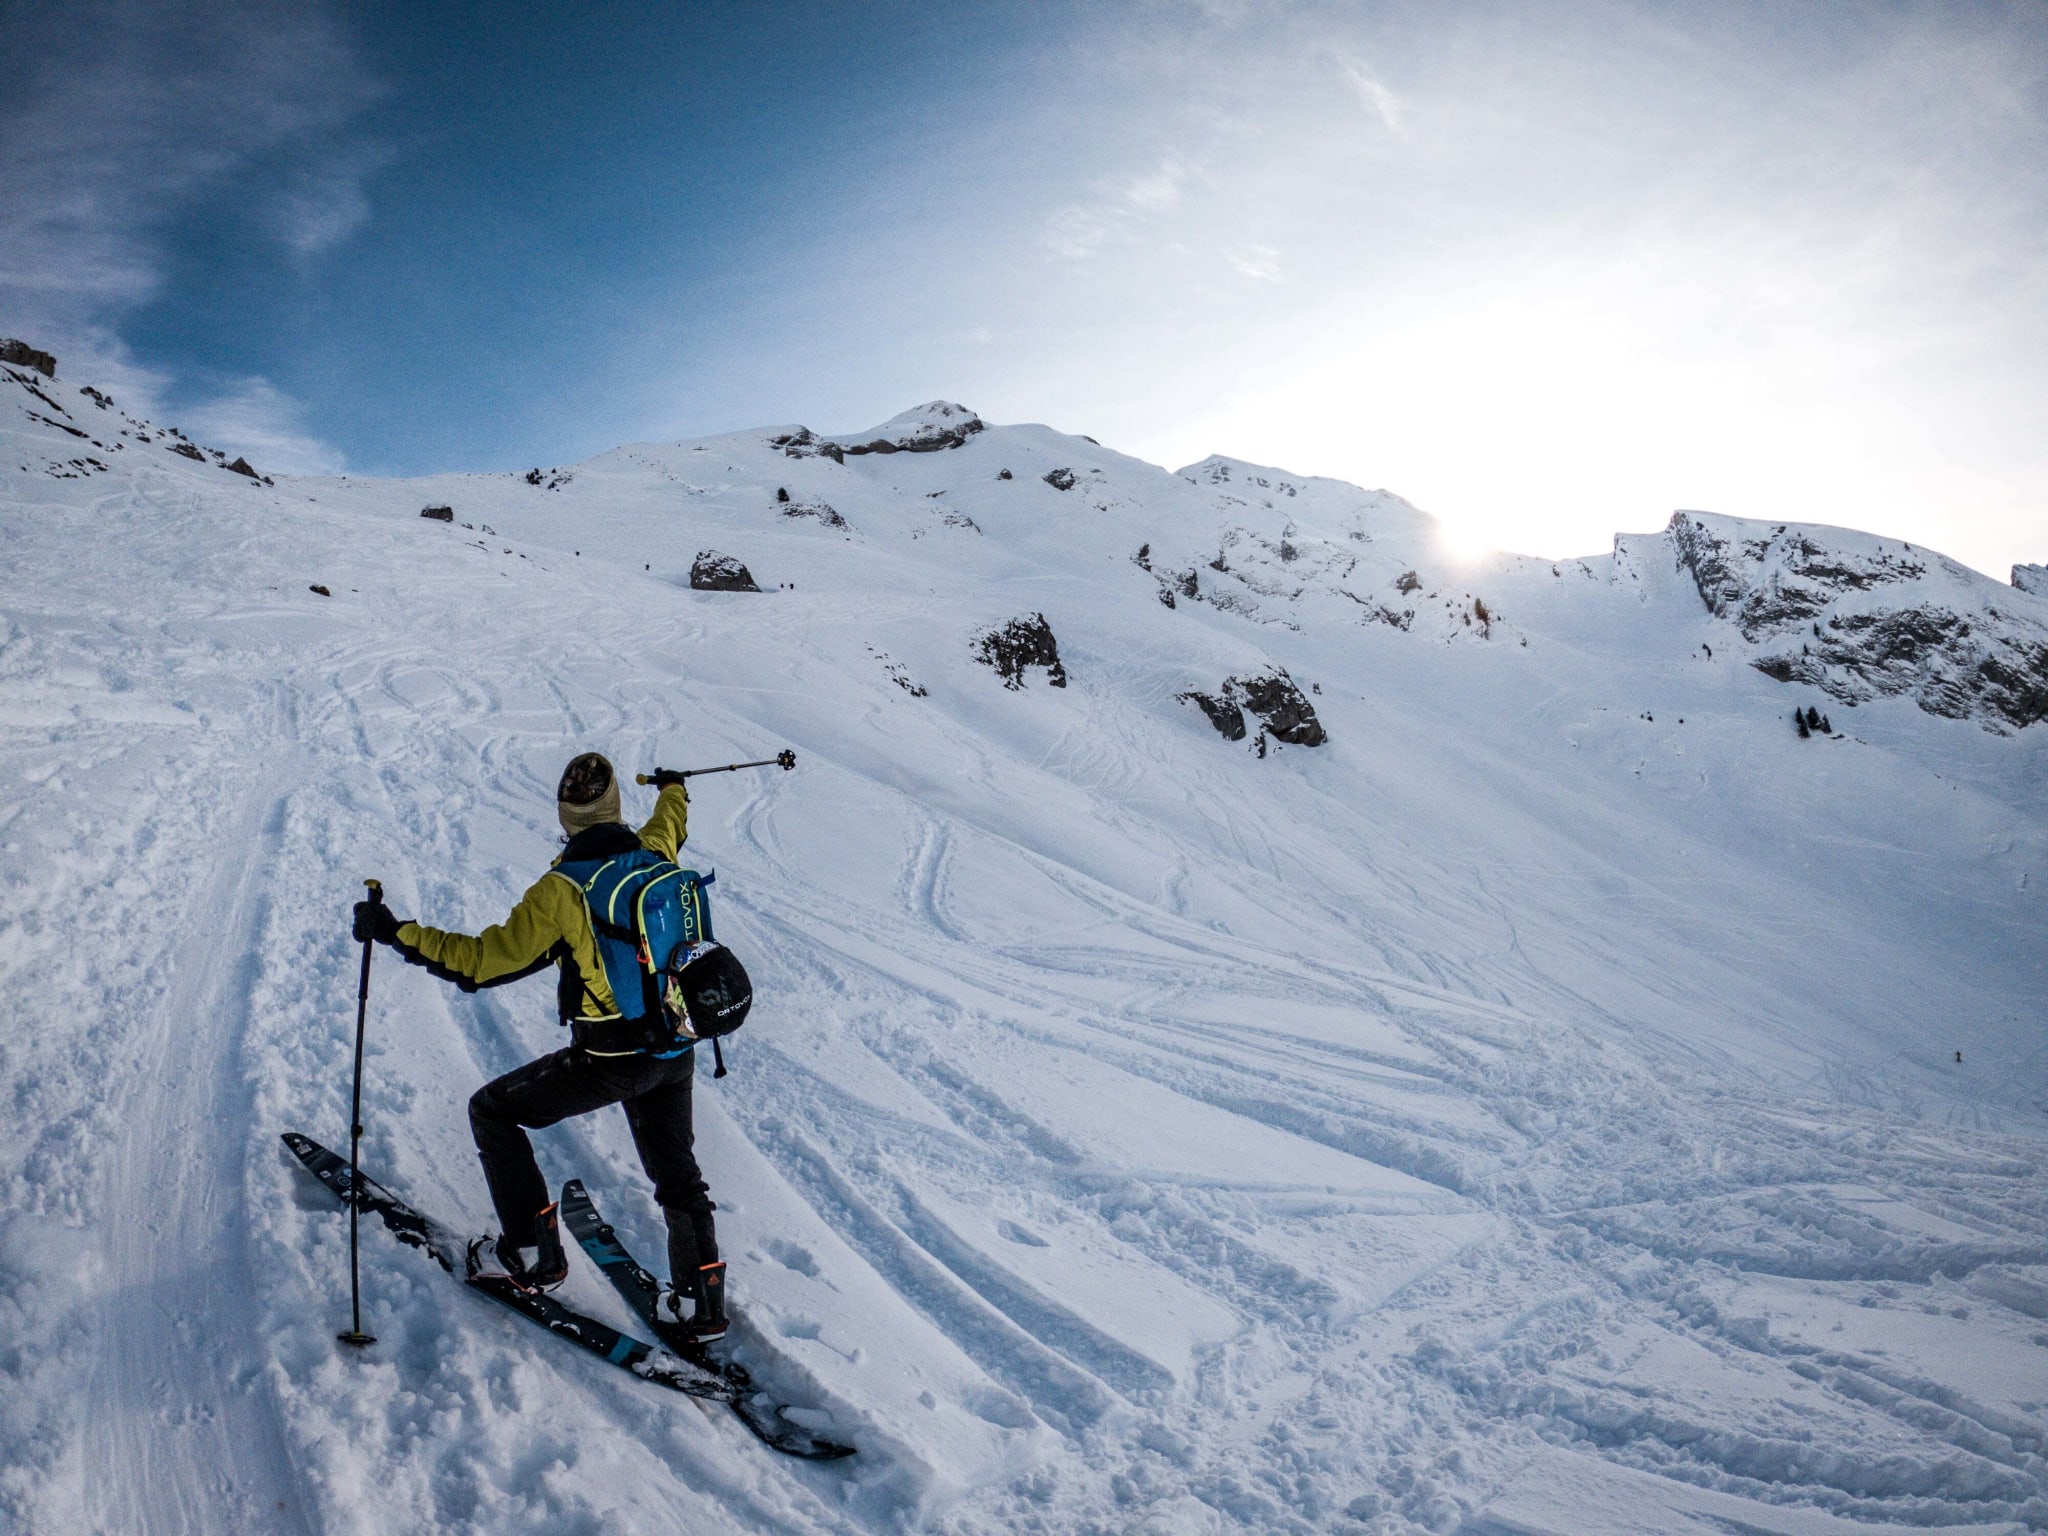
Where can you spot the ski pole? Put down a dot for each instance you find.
(785, 759)
(355, 1334)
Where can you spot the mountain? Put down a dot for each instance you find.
(1263, 1026)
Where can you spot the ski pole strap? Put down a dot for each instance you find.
(717, 1057)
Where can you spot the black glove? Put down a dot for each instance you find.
(668, 778)
(376, 921)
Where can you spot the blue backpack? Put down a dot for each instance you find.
(673, 983)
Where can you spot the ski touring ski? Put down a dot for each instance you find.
(641, 1291)
(664, 1367)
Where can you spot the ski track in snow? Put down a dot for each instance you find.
(1134, 1136)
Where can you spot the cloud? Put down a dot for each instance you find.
(1260, 262)
(254, 418)
(1377, 99)
(119, 115)
(1121, 209)
(320, 210)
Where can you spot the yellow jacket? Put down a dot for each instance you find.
(550, 923)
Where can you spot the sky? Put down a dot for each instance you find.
(1550, 270)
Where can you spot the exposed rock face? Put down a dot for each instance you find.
(23, 355)
(1861, 617)
(713, 572)
(1286, 711)
(1060, 479)
(439, 514)
(241, 467)
(1223, 713)
(2031, 578)
(937, 425)
(1273, 698)
(1019, 644)
(817, 511)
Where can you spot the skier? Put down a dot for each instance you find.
(603, 1064)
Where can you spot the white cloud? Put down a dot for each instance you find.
(1122, 210)
(1078, 231)
(254, 418)
(1157, 190)
(1390, 109)
(118, 115)
(1260, 262)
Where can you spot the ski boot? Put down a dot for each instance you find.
(705, 1321)
(538, 1266)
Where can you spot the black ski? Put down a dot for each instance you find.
(641, 1290)
(647, 1361)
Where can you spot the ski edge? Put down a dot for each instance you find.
(638, 1288)
(649, 1362)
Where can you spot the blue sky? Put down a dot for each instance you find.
(1550, 270)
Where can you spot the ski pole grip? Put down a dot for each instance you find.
(376, 897)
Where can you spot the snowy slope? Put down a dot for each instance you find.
(1533, 1109)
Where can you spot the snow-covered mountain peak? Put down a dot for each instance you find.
(927, 428)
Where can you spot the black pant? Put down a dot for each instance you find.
(656, 1096)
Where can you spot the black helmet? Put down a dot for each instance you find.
(716, 992)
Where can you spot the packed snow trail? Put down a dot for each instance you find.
(181, 1423)
(1518, 1115)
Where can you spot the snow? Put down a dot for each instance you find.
(1536, 1110)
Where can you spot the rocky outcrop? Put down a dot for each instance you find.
(1019, 644)
(816, 511)
(22, 355)
(1271, 697)
(1862, 617)
(1225, 713)
(930, 428)
(2031, 578)
(438, 514)
(1059, 479)
(713, 572)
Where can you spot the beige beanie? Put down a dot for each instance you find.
(588, 795)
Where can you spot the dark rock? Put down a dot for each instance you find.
(942, 425)
(1407, 581)
(241, 467)
(1273, 698)
(439, 514)
(1060, 479)
(189, 452)
(1286, 711)
(713, 572)
(803, 443)
(26, 356)
(1223, 713)
(1019, 644)
(533, 477)
(1143, 558)
(104, 402)
(321, 590)
(1005, 475)
(782, 495)
(2031, 578)
(818, 511)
